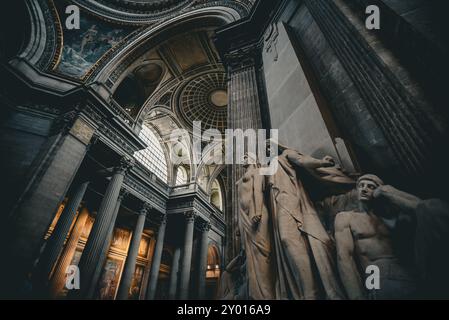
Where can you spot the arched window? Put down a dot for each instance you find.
(153, 156)
(181, 176)
(215, 195)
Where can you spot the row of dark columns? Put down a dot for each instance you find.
(180, 273)
(97, 246)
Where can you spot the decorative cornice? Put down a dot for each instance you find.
(53, 43)
(41, 108)
(155, 7)
(116, 138)
(145, 17)
(149, 195)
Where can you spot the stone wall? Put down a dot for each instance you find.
(293, 108)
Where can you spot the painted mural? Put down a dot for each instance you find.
(84, 47)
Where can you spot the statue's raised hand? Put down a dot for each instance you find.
(328, 161)
(256, 221)
(384, 190)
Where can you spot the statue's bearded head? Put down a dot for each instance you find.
(366, 185)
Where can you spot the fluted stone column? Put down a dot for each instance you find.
(106, 246)
(155, 265)
(56, 241)
(186, 257)
(130, 264)
(57, 282)
(98, 235)
(407, 127)
(174, 275)
(203, 260)
(243, 113)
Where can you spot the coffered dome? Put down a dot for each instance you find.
(205, 99)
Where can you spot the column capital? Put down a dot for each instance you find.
(204, 226)
(126, 164)
(163, 218)
(190, 216)
(243, 57)
(123, 194)
(146, 207)
(64, 122)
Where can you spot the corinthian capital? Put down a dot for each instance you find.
(126, 163)
(146, 207)
(243, 57)
(189, 216)
(123, 194)
(204, 226)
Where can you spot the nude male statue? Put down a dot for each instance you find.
(363, 239)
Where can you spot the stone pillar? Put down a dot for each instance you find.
(243, 113)
(130, 264)
(26, 224)
(57, 282)
(98, 235)
(187, 256)
(156, 261)
(408, 129)
(106, 246)
(174, 274)
(56, 241)
(202, 264)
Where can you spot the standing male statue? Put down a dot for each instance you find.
(363, 239)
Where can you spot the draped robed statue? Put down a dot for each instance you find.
(303, 250)
(288, 253)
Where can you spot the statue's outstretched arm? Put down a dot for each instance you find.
(309, 162)
(402, 199)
